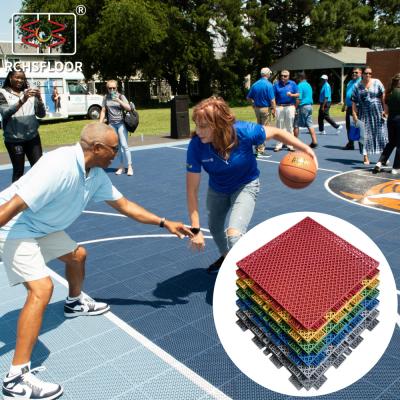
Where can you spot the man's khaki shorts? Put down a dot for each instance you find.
(25, 259)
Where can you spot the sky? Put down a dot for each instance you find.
(7, 9)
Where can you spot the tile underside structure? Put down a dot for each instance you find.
(307, 296)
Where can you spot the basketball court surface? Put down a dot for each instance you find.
(159, 340)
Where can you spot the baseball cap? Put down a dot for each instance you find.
(265, 71)
(324, 77)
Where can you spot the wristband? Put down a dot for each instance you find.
(162, 223)
(195, 231)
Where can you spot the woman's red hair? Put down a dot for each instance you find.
(217, 114)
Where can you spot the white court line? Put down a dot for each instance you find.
(166, 235)
(148, 344)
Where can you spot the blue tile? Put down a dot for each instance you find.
(185, 343)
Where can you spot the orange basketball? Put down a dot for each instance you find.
(297, 170)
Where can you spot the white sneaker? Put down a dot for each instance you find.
(27, 386)
(338, 130)
(395, 171)
(322, 132)
(84, 306)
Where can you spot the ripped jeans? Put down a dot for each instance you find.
(241, 206)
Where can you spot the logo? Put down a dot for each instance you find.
(44, 33)
(380, 192)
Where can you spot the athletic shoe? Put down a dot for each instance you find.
(27, 386)
(84, 306)
(395, 171)
(348, 147)
(377, 168)
(290, 148)
(385, 164)
(313, 145)
(339, 129)
(276, 149)
(215, 266)
(322, 132)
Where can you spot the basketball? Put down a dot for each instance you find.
(297, 170)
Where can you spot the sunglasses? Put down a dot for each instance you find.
(355, 72)
(112, 88)
(367, 73)
(284, 76)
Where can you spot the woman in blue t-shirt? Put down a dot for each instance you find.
(224, 148)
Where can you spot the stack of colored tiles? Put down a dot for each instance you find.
(307, 296)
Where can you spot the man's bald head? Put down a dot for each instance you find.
(96, 132)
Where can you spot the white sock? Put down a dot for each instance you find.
(72, 299)
(16, 369)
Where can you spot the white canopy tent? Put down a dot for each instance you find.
(308, 57)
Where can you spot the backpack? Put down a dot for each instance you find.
(131, 118)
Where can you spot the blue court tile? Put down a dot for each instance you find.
(387, 396)
(157, 324)
(114, 290)
(139, 366)
(206, 325)
(185, 343)
(394, 389)
(214, 365)
(98, 280)
(113, 343)
(241, 387)
(134, 394)
(107, 262)
(195, 309)
(385, 372)
(100, 383)
(87, 327)
(70, 362)
(172, 386)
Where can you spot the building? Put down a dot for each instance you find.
(384, 64)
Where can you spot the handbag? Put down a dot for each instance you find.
(354, 133)
(131, 118)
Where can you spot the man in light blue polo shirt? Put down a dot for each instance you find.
(303, 116)
(347, 106)
(34, 212)
(286, 93)
(325, 99)
(261, 94)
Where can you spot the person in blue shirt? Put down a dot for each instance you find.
(34, 212)
(347, 106)
(325, 99)
(261, 94)
(286, 93)
(223, 147)
(303, 117)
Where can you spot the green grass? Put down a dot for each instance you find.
(153, 122)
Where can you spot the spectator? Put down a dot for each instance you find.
(392, 106)
(113, 108)
(325, 100)
(56, 99)
(19, 107)
(286, 93)
(303, 117)
(347, 106)
(261, 94)
(368, 101)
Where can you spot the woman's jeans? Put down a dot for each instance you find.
(124, 154)
(241, 206)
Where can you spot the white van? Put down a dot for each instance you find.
(74, 98)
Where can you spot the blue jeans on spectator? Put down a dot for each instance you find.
(241, 205)
(124, 154)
